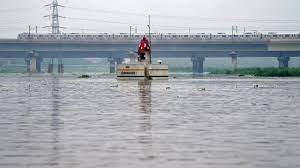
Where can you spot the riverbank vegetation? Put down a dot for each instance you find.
(265, 72)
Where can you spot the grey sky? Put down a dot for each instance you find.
(168, 15)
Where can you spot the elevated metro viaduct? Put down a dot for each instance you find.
(115, 51)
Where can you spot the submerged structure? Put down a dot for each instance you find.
(141, 67)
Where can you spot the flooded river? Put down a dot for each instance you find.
(48, 121)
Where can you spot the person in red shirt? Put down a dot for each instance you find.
(144, 47)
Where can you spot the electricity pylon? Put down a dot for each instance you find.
(54, 17)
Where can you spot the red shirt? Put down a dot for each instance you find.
(144, 46)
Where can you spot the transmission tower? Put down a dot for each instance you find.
(54, 17)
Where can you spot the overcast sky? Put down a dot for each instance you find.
(167, 15)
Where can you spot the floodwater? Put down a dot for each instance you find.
(66, 122)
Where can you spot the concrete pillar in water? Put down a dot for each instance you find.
(34, 62)
(112, 65)
(283, 61)
(234, 59)
(113, 61)
(198, 62)
(27, 60)
(50, 66)
(60, 66)
(39, 61)
(33, 65)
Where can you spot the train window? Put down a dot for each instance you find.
(287, 35)
(186, 36)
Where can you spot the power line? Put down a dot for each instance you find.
(138, 24)
(107, 11)
(191, 18)
(209, 19)
(105, 21)
(170, 26)
(14, 10)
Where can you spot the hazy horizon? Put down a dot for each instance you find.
(168, 16)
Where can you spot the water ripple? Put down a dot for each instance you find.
(48, 121)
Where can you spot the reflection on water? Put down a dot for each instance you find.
(145, 103)
(145, 109)
(50, 121)
(55, 121)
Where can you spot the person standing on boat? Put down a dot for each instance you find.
(144, 47)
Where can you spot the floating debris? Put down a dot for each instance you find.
(256, 86)
(167, 88)
(85, 76)
(253, 103)
(202, 89)
(115, 86)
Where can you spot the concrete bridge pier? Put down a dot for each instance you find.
(60, 66)
(113, 62)
(283, 61)
(234, 59)
(33, 62)
(50, 66)
(198, 62)
(27, 60)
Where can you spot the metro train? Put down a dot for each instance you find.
(167, 36)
